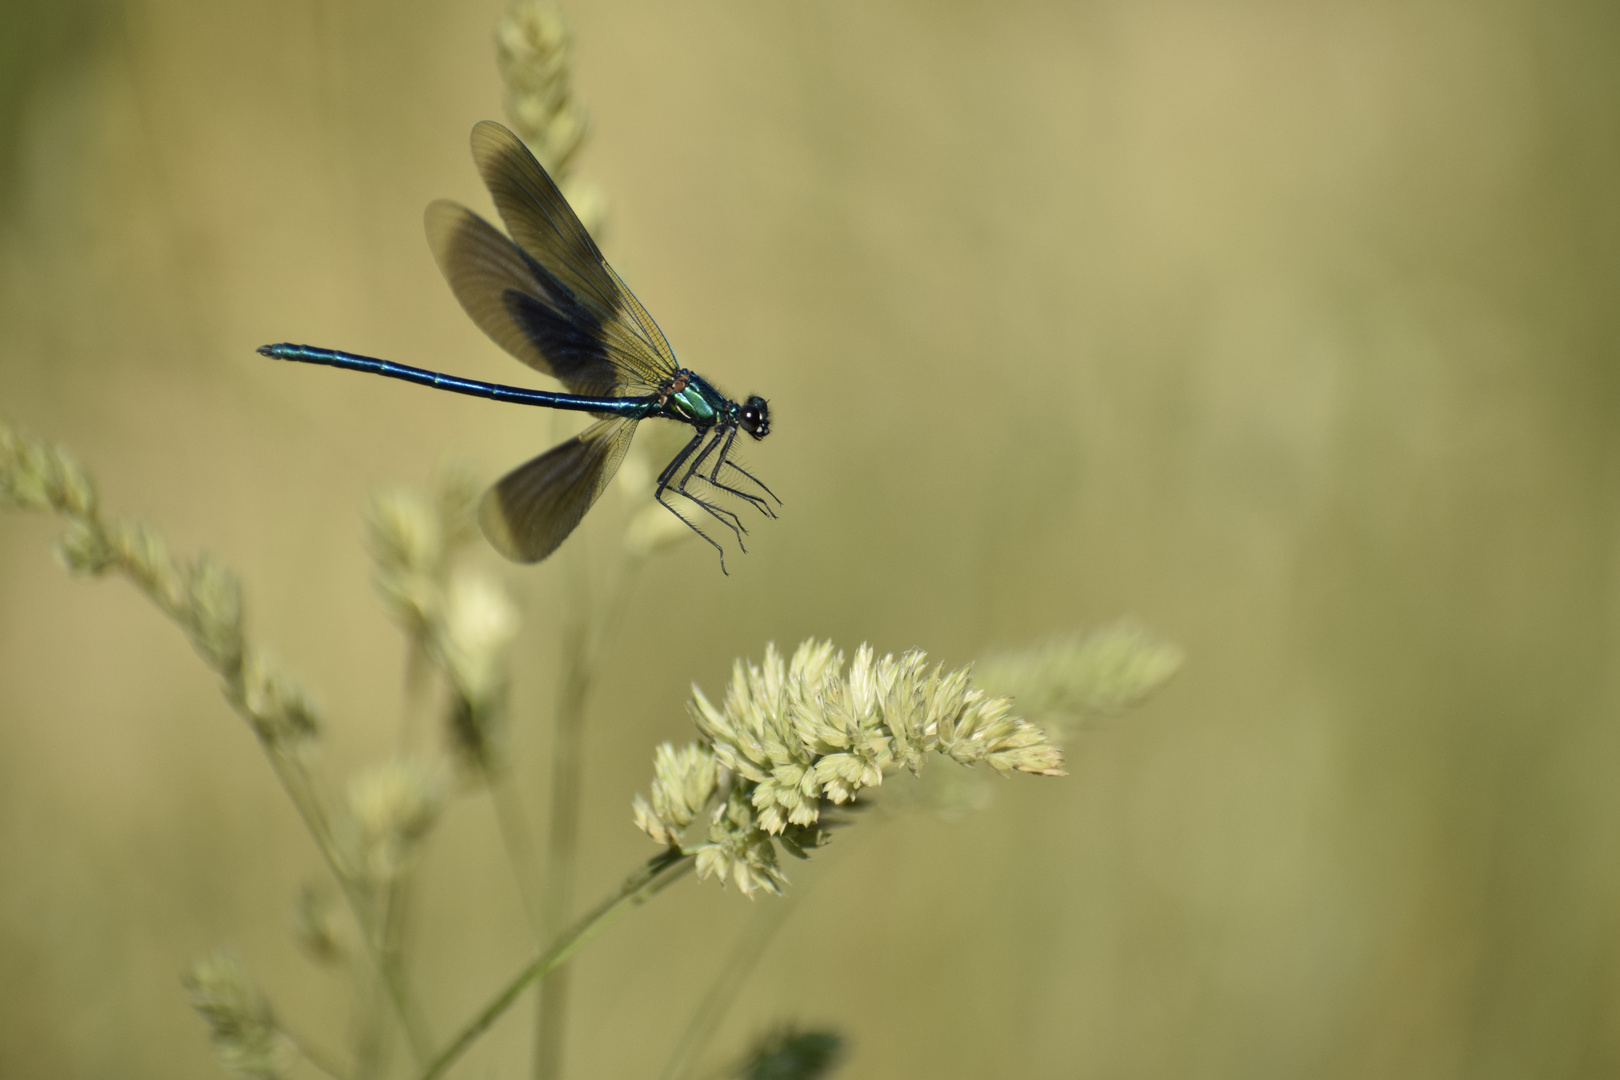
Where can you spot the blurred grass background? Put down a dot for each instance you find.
(1289, 328)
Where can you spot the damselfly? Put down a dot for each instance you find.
(549, 298)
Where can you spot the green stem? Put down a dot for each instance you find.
(162, 583)
(652, 879)
(295, 782)
(567, 766)
(396, 901)
(320, 1059)
(519, 845)
(371, 1004)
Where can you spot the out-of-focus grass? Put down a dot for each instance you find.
(1289, 329)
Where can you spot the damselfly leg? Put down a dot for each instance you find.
(663, 485)
(725, 460)
(725, 515)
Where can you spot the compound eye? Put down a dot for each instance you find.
(755, 419)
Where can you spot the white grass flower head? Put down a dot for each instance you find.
(588, 201)
(314, 927)
(213, 614)
(406, 543)
(532, 45)
(390, 807)
(147, 559)
(456, 492)
(798, 735)
(403, 531)
(738, 850)
(34, 476)
(684, 781)
(279, 709)
(1082, 677)
(243, 1029)
(480, 622)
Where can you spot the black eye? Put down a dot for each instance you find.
(756, 418)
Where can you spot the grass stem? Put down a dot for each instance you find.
(653, 878)
(568, 738)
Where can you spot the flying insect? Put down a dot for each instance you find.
(548, 297)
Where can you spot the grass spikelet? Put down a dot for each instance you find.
(241, 1026)
(798, 735)
(1083, 677)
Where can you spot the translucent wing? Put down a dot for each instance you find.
(533, 508)
(544, 225)
(551, 300)
(518, 304)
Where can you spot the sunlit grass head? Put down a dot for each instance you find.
(793, 738)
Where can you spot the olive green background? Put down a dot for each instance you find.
(1289, 329)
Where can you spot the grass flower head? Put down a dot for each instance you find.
(243, 1029)
(793, 737)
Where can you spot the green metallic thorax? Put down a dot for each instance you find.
(696, 402)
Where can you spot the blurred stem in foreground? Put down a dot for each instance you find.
(575, 672)
(532, 48)
(205, 599)
(586, 630)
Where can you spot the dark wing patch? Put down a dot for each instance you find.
(547, 229)
(533, 508)
(539, 218)
(517, 303)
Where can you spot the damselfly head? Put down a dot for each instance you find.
(755, 417)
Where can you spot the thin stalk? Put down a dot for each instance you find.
(295, 782)
(580, 650)
(395, 903)
(652, 879)
(320, 1059)
(744, 956)
(728, 982)
(168, 584)
(385, 903)
(519, 845)
(371, 1043)
(568, 738)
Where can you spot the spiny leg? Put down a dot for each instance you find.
(675, 462)
(721, 462)
(724, 515)
(665, 477)
(756, 480)
(663, 485)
